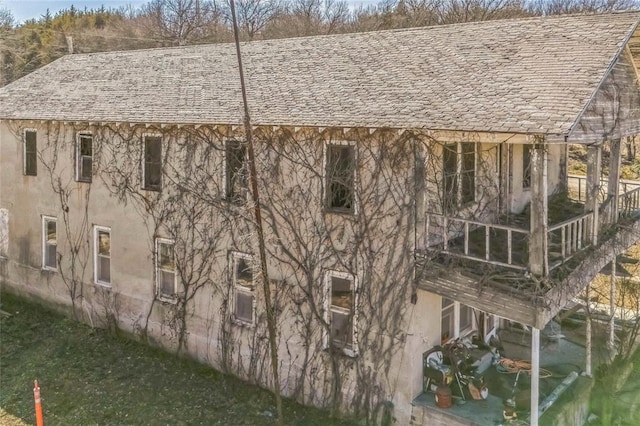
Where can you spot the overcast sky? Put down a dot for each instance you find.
(27, 9)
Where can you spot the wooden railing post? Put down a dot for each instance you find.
(613, 188)
(538, 262)
(594, 160)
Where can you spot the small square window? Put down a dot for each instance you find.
(49, 243)
(152, 168)
(30, 153)
(84, 158)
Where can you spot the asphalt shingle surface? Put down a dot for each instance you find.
(526, 76)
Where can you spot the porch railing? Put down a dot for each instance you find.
(567, 238)
(629, 203)
(505, 245)
(578, 187)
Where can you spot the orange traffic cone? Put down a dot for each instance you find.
(36, 396)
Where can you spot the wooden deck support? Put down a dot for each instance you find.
(538, 263)
(588, 344)
(613, 187)
(535, 374)
(594, 161)
(612, 305)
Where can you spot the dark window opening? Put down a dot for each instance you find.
(341, 178)
(526, 166)
(153, 163)
(30, 153)
(236, 174)
(459, 175)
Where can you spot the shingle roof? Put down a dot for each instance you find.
(528, 76)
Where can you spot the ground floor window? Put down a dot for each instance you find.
(166, 268)
(243, 288)
(102, 255)
(457, 320)
(49, 243)
(341, 311)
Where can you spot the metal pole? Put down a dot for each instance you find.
(253, 178)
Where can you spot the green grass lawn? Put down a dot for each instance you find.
(90, 376)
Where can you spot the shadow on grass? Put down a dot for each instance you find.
(90, 376)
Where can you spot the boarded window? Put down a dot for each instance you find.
(236, 173)
(84, 158)
(243, 308)
(152, 163)
(340, 178)
(342, 309)
(30, 153)
(49, 243)
(166, 268)
(102, 262)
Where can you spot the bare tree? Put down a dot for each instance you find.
(560, 7)
(179, 22)
(253, 15)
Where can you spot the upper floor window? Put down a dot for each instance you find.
(459, 171)
(340, 163)
(102, 255)
(84, 157)
(166, 268)
(152, 167)
(49, 243)
(526, 166)
(243, 288)
(341, 311)
(30, 153)
(235, 170)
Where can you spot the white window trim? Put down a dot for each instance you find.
(325, 149)
(353, 351)
(24, 149)
(45, 220)
(144, 151)
(457, 333)
(78, 156)
(96, 230)
(235, 286)
(159, 294)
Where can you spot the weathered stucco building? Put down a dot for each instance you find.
(395, 169)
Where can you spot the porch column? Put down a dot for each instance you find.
(535, 374)
(587, 368)
(594, 160)
(613, 188)
(538, 263)
(612, 305)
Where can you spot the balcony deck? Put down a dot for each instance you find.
(491, 260)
